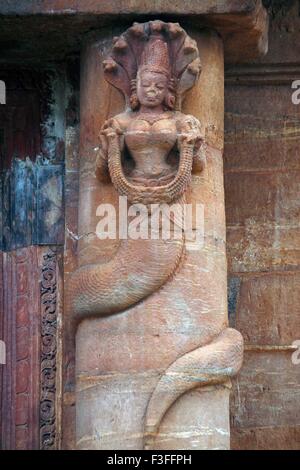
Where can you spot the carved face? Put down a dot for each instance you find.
(152, 88)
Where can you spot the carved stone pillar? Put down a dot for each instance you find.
(155, 374)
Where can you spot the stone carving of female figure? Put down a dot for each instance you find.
(162, 144)
(149, 153)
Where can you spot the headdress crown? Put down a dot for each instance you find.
(155, 57)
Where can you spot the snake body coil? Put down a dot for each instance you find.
(140, 267)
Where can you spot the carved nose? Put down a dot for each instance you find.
(152, 89)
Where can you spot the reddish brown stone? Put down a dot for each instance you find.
(182, 320)
(243, 25)
(24, 278)
(121, 6)
(267, 309)
(267, 391)
(22, 376)
(22, 410)
(263, 247)
(259, 135)
(274, 199)
(22, 436)
(20, 385)
(22, 311)
(284, 45)
(262, 196)
(266, 438)
(23, 342)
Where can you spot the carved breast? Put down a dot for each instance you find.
(141, 135)
(149, 145)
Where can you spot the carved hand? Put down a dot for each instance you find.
(192, 137)
(111, 130)
(190, 132)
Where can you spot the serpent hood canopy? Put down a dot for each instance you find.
(155, 45)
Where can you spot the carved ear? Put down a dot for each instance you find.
(170, 100)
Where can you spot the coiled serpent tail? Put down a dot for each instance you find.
(140, 267)
(210, 364)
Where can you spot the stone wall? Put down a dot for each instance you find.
(262, 186)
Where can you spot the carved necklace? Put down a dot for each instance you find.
(152, 118)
